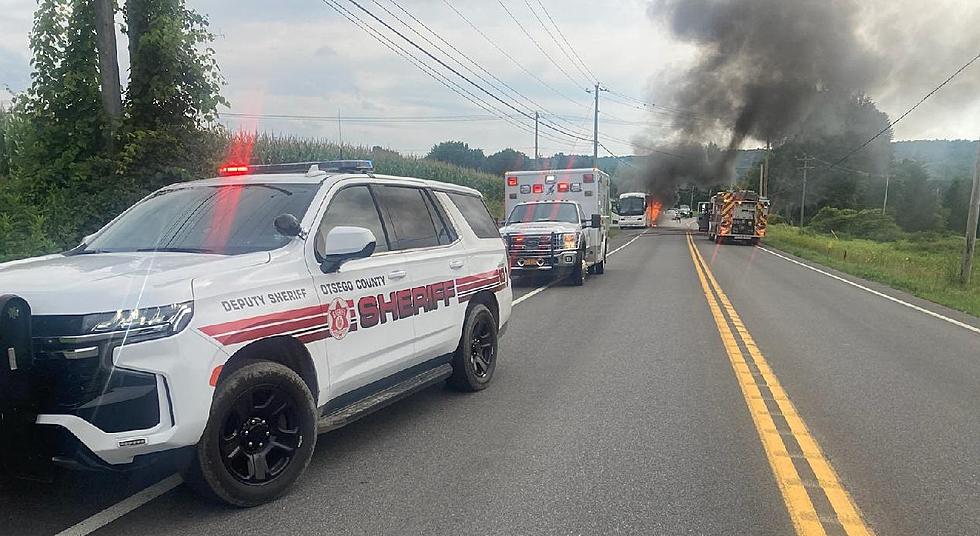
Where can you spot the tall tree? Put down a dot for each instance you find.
(105, 31)
(173, 93)
(917, 206)
(459, 153)
(174, 80)
(61, 152)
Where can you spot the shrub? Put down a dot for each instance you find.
(869, 224)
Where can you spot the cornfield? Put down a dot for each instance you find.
(274, 149)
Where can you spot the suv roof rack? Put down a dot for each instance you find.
(337, 166)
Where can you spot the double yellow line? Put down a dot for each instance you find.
(814, 496)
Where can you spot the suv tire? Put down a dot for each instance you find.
(476, 356)
(259, 438)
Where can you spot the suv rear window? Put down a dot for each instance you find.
(476, 214)
(410, 218)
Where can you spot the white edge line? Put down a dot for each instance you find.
(620, 248)
(123, 507)
(140, 498)
(953, 321)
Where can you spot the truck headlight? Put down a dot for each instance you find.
(151, 322)
(570, 240)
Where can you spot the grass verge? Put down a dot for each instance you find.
(927, 268)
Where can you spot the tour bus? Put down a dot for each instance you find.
(633, 210)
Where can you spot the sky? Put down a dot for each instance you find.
(301, 58)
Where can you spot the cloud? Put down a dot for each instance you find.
(300, 57)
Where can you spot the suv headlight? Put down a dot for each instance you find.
(570, 240)
(145, 322)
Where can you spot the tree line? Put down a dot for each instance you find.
(75, 147)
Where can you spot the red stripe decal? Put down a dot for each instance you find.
(471, 278)
(466, 297)
(314, 336)
(476, 284)
(256, 321)
(268, 331)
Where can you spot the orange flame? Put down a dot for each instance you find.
(653, 211)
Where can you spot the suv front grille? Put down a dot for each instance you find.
(76, 376)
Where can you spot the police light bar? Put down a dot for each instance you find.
(227, 171)
(336, 166)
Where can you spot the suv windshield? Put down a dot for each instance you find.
(565, 212)
(225, 220)
(631, 206)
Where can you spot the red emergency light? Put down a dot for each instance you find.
(538, 189)
(562, 186)
(226, 171)
(511, 181)
(588, 177)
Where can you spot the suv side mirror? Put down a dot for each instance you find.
(288, 225)
(346, 243)
(596, 221)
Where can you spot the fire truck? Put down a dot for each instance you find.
(740, 215)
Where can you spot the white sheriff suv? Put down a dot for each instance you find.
(238, 317)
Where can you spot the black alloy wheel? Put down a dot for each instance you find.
(260, 435)
(259, 438)
(476, 356)
(483, 347)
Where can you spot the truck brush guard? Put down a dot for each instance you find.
(533, 251)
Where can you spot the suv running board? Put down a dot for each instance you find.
(366, 406)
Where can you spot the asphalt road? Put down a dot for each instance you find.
(615, 409)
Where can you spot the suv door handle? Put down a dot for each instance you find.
(397, 274)
(456, 264)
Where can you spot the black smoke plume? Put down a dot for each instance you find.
(764, 68)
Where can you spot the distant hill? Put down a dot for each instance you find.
(945, 159)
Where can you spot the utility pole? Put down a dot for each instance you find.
(340, 135)
(971, 225)
(884, 204)
(105, 37)
(595, 126)
(762, 178)
(806, 167)
(765, 173)
(536, 156)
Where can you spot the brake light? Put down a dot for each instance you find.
(538, 188)
(562, 186)
(588, 177)
(226, 171)
(511, 181)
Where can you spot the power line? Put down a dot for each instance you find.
(418, 63)
(592, 75)
(527, 99)
(433, 32)
(910, 110)
(369, 119)
(555, 39)
(510, 57)
(533, 40)
(482, 89)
